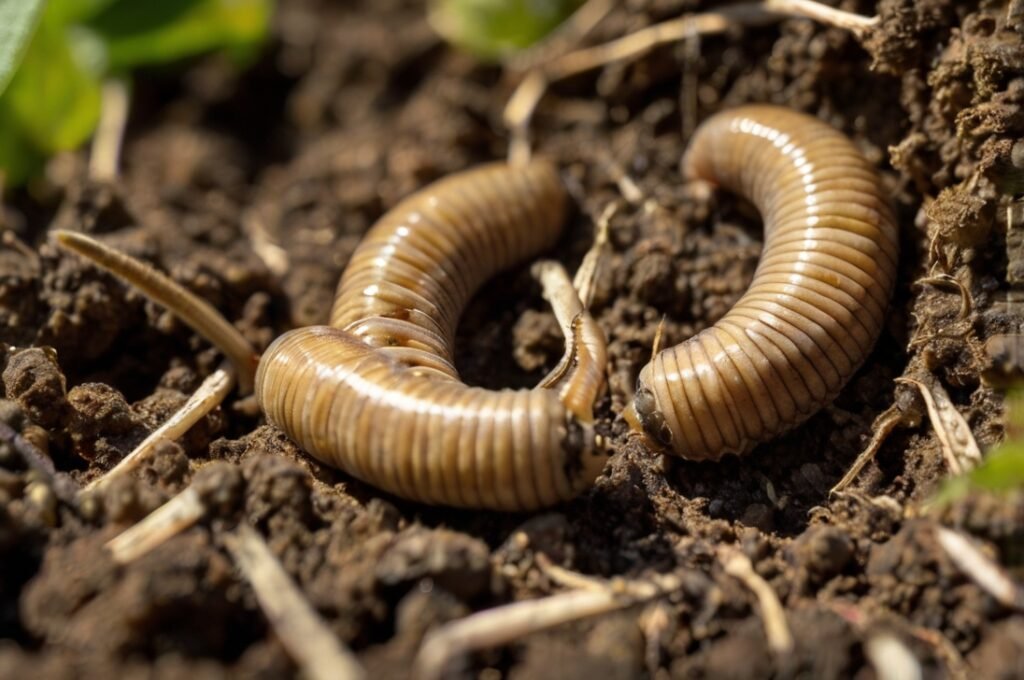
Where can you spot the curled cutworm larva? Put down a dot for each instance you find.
(816, 304)
(376, 392)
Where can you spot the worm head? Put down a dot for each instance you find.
(586, 452)
(646, 419)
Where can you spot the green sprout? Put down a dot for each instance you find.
(495, 29)
(54, 55)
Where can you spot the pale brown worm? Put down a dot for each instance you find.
(376, 392)
(817, 301)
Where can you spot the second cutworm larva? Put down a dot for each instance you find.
(817, 301)
(376, 393)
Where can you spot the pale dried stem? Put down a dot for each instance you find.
(167, 521)
(195, 312)
(959, 447)
(627, 185)
(263, 244)
(891, 658)
(656, 623)
(523, 102)
(566, 577)
(106, 143)
(883, 427)
(11, 240)
(560, 294)
(947, 281)
(317, 651)
(519, 112)
(502, 625)
(579, 376)
(989, 576)
(646, 39)
(521, 105)
(773, 617)
(210, 394)
(857, 24)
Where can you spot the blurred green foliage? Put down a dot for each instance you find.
(1003, 468)
(18, 19)
(494, 29)
(55, 54)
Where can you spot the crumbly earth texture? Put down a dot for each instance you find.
(352, 106)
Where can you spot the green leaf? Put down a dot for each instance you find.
(139, 32)
(18, 20)
(493, 29)
(55, 101)
(76, 11)
(1002, 471)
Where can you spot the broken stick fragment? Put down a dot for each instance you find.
(523, 102)
(980, 568)
(958, 445)
(773, 617)
(505, 624)
(196, 313)
(167, 521)
(210, 394)
(317, 651)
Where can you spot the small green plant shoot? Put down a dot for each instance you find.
(495, 29)
(54, 55)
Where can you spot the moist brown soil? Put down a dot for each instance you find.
(353, 106)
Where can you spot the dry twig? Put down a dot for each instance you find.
(501, 625)
(167, 521)
(891, 658)
(855, 23)
(989, 576)
(737, 565)
(10, 240)
(263, 244)
(950, 282)
(958, 445)
(884, 424)
(195, 312)
(521, 105)
(523, 102)
(566, 577)
(209, 395)
(627, 185)
(106, 143)
(317, 651)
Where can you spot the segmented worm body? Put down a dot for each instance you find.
(817, 301)
(376, 393)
